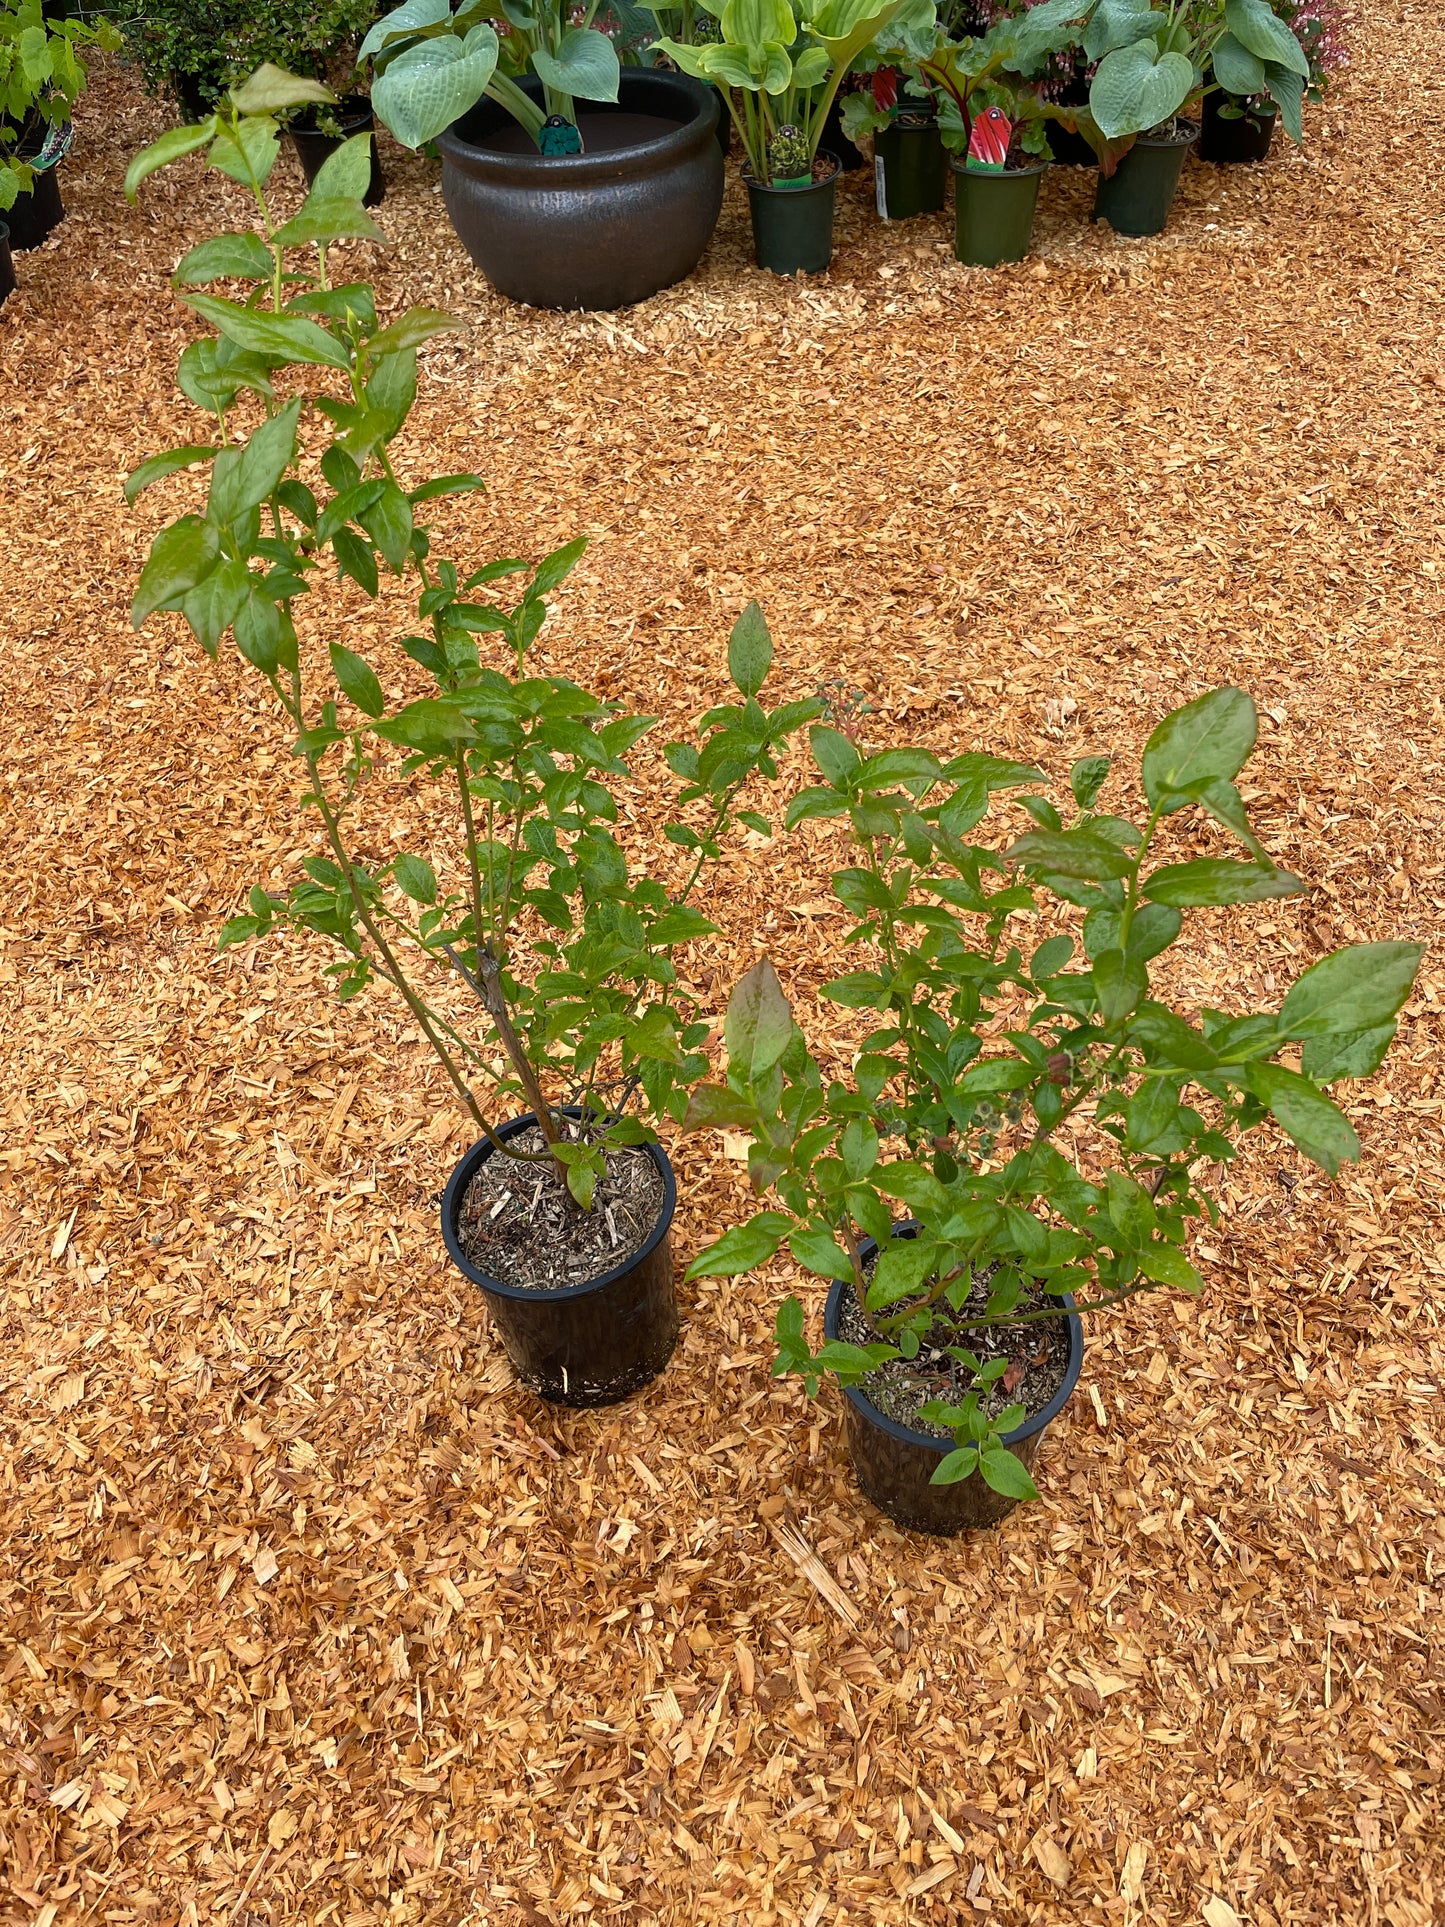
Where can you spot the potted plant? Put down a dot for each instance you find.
(1239, 126)
(320, 42)
(779, 65)
(572, 182)
(41, 77)
(544, 972)
(1051, 1113)
(181, 48)
(1151, 66)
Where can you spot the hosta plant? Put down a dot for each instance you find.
(1049, 1119)
(542, 968)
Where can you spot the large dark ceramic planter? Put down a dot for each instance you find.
(8, 283)
(1225, 141)
(36, 214)
(1136, 198)
(895, 1463)
(910, 171)
(601, 229)
(993, 214)
(314, 149)
(793, 226)
(588, 1344)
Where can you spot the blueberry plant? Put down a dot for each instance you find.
(1045, 1118)
(562, 951)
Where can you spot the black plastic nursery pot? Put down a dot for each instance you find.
(588, 1344)
(8, 283)
(1226, 141)
(193, 96)
(1068, 147)
(793, 226)
(1136, 198)
(314, 149)
(895, 1463)
(834, 141)
(909, 168)
(993, 214)
(628, 216)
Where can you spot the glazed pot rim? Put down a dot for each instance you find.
(565, 170)
(895, 1428)
(959, 164)
(461, 1177)
(755, 186)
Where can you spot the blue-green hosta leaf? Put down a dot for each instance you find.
(585, 65)
(1137, 88)
(1257, 26)
(423, 90)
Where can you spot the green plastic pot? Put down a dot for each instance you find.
(1137, 196)
(993, 214)
(909, 174)
(793, 226)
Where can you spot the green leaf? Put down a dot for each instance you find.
(215, 602)
(1237, 70)
(1005, 1471)
(552, 571)
(264, 460)
(834, 755)
(277, 337)
(159, 466)
(892, 766)
(712, 1107)
(956, 1466)
(1347, 1054)
(680, 924)
(414, 875)
(743, 1248)
(859, 990)
(1216, 880)
(1086, 779)
(388, 522)
(1212, 737)
(247, 155)
(1120, 982)
(816, 1250)
(271, 88)
(422, 90)
(172, 146)
(1167, 1265)
(445, 485)
(750, 651)
(996, 1074)
(1356, 989)
(358, 681)
(1316, 1126)
(225, 257)
(901, 1272)
(1137, 88)
(323, 221)
(759, 1023)
(345, 174)
(585, 66)
(1050, 957)
(355, 559)
(432, 726)
(1152, 1114)
(180, 557)
(1072, 853)
(1256, 26)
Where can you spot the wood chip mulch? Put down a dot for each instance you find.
(307, 1614)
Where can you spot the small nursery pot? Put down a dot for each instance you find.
(314, 149)
(1069, 148)
(909, 175)
(993, 214)
(587, 1344)
(8, 283)
(835, 142)
(895, 1464)
(34, 215)
(191, 95)
(1136, 198)
(793, 226)
(1225, 142)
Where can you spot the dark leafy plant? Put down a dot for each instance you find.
(564, 952)
(216, 42)
(1050, 1114)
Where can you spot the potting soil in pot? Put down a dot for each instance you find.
(521, 1225)
(601, 133)
(1038, 1355)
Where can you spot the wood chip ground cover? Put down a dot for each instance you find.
(308, 1614)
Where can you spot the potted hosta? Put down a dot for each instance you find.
(535, 960)
(41, 78)
(1027, 1132)
(572, 181)
(779, 65)
(1239, 126)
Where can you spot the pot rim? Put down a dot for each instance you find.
(1183, 139)
(352, 110)
(928, 1440)
(461, 1177)
(755, 186)
(959, 164)
(566, 170)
